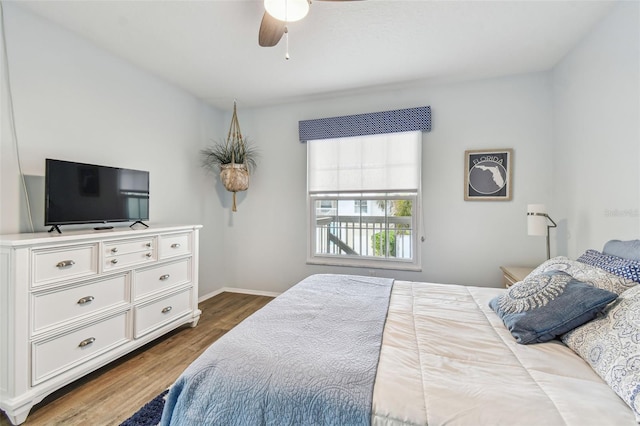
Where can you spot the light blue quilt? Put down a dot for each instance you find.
(308, 358)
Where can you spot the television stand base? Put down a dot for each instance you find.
(55, 228)
(140, 222)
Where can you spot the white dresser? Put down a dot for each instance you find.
(74, 302)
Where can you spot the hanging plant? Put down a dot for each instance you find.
(234, 157)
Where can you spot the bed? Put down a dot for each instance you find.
(341, 349)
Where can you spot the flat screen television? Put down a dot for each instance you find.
(77, 193)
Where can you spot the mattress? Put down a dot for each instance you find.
(446, 358)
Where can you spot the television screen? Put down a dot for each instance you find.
(86, 193)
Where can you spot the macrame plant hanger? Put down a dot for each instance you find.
(235, 176)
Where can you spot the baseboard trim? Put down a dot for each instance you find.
(238, 290)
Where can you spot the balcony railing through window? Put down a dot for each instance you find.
(389, 237)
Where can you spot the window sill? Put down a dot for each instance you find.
(370, 264)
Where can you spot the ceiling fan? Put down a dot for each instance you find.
(276, 16)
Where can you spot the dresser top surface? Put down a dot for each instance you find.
(36, 238)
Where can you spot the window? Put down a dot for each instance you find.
(327, 207)
(361, 206)
(364, 198)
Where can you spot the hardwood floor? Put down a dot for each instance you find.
(110, 395)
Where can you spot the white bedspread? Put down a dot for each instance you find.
(446, 358)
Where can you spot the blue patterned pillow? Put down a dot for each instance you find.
(626, 268)
(611, 345)
(549, 304)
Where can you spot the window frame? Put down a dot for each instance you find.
(387, 193)
(413, 264)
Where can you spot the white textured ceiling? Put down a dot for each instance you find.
(210, 48)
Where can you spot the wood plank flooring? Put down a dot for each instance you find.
(112, 394)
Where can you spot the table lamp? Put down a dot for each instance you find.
(538, 223)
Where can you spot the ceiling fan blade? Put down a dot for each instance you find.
(271, 31)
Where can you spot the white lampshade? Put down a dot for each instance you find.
(537, 219)
(287, 10)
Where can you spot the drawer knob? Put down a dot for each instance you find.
(86, 342)
(86, 299)
(114, 261)
(114, 250)
(167, 309)
(164, 277)
(65, 264)
(148, 245)
(175, 245)
(148, 255)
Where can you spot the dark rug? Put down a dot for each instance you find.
(150, 414)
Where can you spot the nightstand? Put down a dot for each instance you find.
(513, 274)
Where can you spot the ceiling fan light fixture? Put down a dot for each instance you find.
(287, 10)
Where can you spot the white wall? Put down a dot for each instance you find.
(575, 132)
(466, 242)
(597, 135)
(76, 102)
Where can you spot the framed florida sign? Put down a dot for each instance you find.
(487, 175)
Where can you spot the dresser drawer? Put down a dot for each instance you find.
(52, 265)
(174, 245)
(116, 248)
(54, 356)
(120, 261)
(153, 315)
(162, 277)
(52, 308)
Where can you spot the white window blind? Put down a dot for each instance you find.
(385, 162)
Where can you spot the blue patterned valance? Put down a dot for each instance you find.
(400, 120)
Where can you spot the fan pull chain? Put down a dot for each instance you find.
(286, 36)
(286, 29)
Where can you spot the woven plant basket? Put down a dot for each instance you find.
(235, 177)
